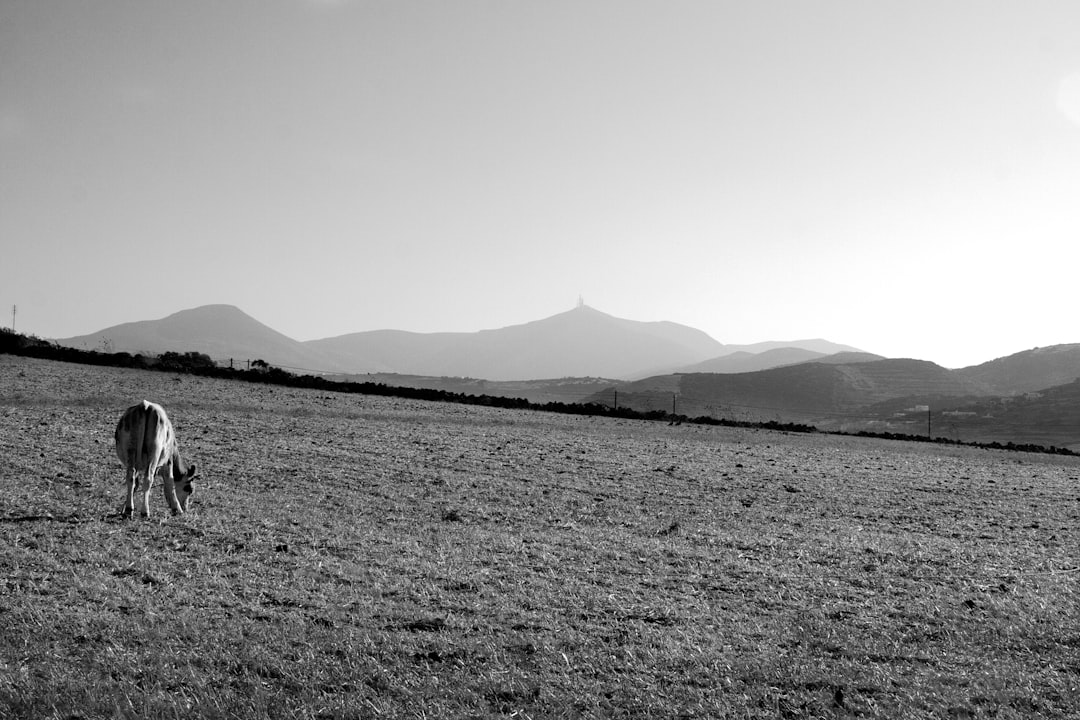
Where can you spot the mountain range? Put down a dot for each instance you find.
(582, 342)
(587, 355)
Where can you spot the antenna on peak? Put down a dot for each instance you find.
(580, 302)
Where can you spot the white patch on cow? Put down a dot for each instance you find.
(146, 444)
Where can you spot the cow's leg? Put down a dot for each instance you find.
(145, 490)
(129, 491)
(169, 487)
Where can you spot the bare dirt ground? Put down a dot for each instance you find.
(357, 556)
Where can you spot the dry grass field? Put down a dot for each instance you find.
(350, 556)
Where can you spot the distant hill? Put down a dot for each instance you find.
(766, 355)
(582, 342)
(846, 358)
(807, 390)
(1028, 370)
(743, 361)
(818, 345)
(884, 395)
(825, 387)
(220, 331)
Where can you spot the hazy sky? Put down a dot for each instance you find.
(899, 176)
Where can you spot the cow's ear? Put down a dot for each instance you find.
(190, 472)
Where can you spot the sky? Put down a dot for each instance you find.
(900, 176)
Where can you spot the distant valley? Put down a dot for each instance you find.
(584, 355)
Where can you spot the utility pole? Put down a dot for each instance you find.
(13, 308)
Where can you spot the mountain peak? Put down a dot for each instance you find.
(224, 332)
(212, 309)
(585, 310)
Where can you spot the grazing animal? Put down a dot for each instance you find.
(146, 444)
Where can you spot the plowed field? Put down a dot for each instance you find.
(353, 556)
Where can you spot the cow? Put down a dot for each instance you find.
(146, 444)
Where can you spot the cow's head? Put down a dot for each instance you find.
(182, 483)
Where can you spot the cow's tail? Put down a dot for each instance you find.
(146, 442)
